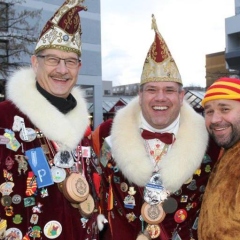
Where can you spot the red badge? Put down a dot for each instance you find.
(180, 216)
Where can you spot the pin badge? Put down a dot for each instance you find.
(52, 229)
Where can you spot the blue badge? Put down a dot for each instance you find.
(38, 162)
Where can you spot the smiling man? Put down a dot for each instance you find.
(42, 124)
(150, 189)
(219, 216)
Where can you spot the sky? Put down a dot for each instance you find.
(191, 28)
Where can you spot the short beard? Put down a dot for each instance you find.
(227, 143)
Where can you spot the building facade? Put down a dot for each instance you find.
(232, 31)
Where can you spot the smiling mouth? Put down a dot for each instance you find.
(219, 129)
(60, 79)
(158, 108)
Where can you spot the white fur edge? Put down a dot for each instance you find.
(101, 220)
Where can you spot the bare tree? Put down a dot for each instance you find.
(18, 33)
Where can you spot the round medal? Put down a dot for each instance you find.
(31, 135)
(152, 214)
(123, 187)
(16, 199)
(10, 231)
(170, 205)
(153, 230)
(63, 159)
(180, 216)
(6, 201)
(75, 188)
(86, 207)
(52, 229)
(58, 174)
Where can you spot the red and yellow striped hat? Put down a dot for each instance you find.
(223, 88)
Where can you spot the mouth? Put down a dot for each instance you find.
(159, 108)
(61, 79)
(219, 129)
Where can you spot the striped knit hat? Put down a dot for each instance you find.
(223, 88)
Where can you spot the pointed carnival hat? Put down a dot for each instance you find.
(63, 30)
(159, 65)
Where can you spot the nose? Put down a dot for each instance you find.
(160, 95)
(61, 67)
(216, 117)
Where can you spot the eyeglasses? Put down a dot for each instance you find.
(54, 61)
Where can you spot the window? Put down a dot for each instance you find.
(3, 17)
(3, 51)
(107, 92)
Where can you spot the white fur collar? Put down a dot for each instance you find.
(180, 163)
(66, 129)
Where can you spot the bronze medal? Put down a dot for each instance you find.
(152, 214)
(123, 187)
(86, 207)
(75, 188)
(6, 201)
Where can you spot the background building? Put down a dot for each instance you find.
(91, 70)
(232, 29)
(104, 99)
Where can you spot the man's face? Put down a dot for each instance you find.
(160, 103)
(57, 80)
(222, 118)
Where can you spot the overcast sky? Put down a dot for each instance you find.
(191, 28)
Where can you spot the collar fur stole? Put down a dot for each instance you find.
(66, 129)
(177, 166)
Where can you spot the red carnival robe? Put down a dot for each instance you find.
(67, 129)
(126, 162)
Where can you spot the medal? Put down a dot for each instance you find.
(58, 174)
(152, 214)
(123, 187)
(28, 135)
(170, 205)
(180, 216)
(155, 192)
(52, 229)
(63, 159)
(153, 230)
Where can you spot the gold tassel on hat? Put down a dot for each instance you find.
(154, 23)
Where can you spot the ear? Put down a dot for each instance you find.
(34, 62)
(80, 65)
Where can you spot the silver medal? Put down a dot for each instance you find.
(154, 192)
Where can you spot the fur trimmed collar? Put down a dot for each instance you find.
(66, 129)
(177, 166)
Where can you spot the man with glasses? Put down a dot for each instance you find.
(45, 192)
